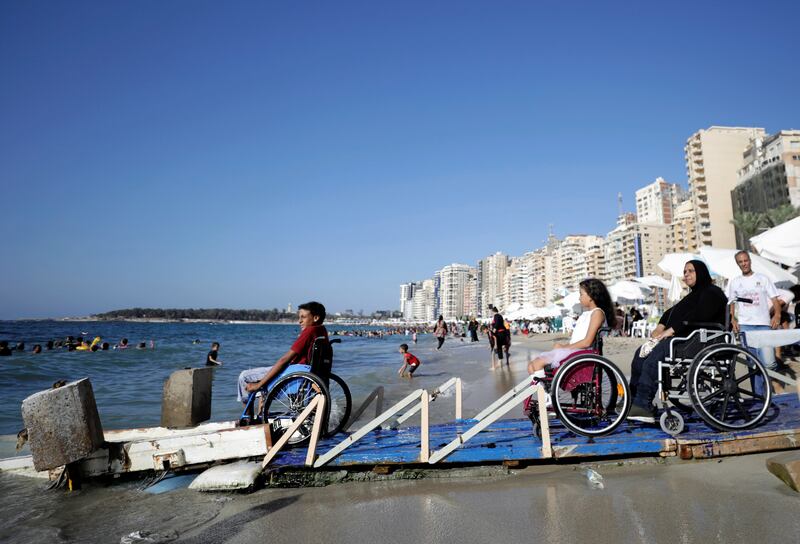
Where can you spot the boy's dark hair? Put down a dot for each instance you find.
(404, 347)
(315, 308)
(215, 345)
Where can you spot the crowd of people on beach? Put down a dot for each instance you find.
(71, 343)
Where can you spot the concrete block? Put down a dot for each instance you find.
(230, 477)
(187, 398)
(63, 424)
(786, 467)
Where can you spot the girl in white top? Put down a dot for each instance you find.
(599, 310)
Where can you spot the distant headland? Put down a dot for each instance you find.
(196, 314)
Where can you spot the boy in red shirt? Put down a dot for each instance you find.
(410, 362)
(311, 315)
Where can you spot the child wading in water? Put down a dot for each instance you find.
(599, 309)
(410, 362)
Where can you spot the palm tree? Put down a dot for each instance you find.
(747, 225)
(780, 215)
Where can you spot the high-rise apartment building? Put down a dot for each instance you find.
(615, 265)
(634, 249)
(491, 275)
(769, 177)
(655, 203)
(423, 303)
(713, 158)
(453, 289)
(684, 231)
(406, 296)
(516, 282)
(579, 257)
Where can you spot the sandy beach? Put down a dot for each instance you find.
(640, 500)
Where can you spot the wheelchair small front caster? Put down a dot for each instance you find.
(672, 422)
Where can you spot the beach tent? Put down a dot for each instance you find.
(722, 263)
(629, 291)
(780, 244)
(653, 281)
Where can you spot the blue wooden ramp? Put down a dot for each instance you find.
(512, 440)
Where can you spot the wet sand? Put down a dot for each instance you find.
(732, 500)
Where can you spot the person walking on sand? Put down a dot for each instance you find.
(440, 332)
(410, 363)
(754, 315)
(473, 330)
(502, 336)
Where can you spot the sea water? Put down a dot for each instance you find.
(128, 383)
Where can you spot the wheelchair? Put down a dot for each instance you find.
(712, 372)
(285, 398)
(589, 393)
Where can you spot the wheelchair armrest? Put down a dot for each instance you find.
(704, 325)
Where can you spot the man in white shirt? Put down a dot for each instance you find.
(753, 316)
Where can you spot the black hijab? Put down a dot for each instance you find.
(705, 303)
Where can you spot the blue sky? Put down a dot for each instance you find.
(252, 154)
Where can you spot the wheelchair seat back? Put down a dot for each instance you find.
(322, 358)
(597, 345)
(686, 349)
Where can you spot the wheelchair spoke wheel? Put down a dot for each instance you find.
(729, 387)
(590, 395)
(340, 405)
(288, 398)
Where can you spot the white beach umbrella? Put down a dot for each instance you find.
(722, 263)
(780, 244)
(629, 290)
(654, 281)
(672, 263)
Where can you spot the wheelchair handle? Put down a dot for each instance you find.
(335, 341)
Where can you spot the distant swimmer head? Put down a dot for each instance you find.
(142, 345)
(37, 348)
(50, 344)
(105, 346)
(21, 346)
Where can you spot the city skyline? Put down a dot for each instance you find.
(732, 170)
(173, 156)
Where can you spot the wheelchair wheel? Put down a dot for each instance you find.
(590, 395)
(672, 422)
(288, 398)
(721, 386)
(340, 405)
